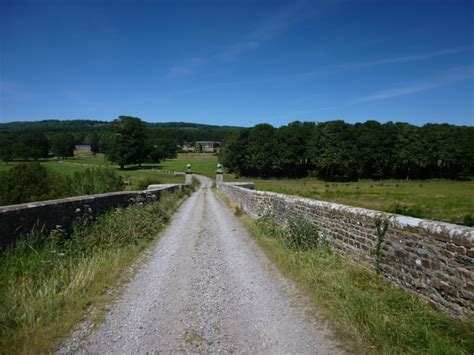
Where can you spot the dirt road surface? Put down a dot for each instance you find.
(208, 288)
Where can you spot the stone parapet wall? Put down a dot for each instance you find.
(16, 220)
(433, 259)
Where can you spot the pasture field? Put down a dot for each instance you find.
(204, 164)
(443, 200)
(134, 175)
(162, 172)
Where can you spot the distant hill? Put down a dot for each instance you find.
(178, 131)
(53, 125)
(78, 125)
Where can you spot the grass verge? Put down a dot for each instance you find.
(48, 283)
(364, 309)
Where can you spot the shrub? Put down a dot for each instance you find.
(269, 227)
(31, 182)
(468, 220)
(143, 184)
(96, 181)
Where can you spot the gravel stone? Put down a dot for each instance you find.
(208, 288)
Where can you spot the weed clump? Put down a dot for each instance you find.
(298, 234)
(302, 235)
(468, 220)
(239, 211)
(405, 210)
(381, 229)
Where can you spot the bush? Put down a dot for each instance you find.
(468, 220)
(31, 182)
(96, 181)
(143, 184)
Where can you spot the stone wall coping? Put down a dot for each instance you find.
(84, 198)
(434, 227)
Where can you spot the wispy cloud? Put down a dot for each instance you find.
(416, 57)
(280, 22)
(444, 78)
(337, 68)
(186, 69)
(271, 27)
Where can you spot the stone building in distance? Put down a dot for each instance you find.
(202, 147)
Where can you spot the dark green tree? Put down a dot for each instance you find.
(409, 151)
(262, 150)
(94, 143)
(292, 141)
(233, 154)
(374, 148)
(32, 145)
(63, 145)
(339, 151)
(128, 143)
(161, 150)
(334, 151)
(7, 143)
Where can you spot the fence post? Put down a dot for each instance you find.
(189, 175)
(219, 175)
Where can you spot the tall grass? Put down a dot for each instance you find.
(369, 313)
(47, 283)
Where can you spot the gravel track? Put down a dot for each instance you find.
(208, 288)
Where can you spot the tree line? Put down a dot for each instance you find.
(129, 141)
(35, 145)
(84, 130)
(337, 150)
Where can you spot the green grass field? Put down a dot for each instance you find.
(442, 200)
(162, 172)
(133, 174)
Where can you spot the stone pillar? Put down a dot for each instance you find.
(219, 175)
(189, 175)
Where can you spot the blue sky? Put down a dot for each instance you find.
(238, 62)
